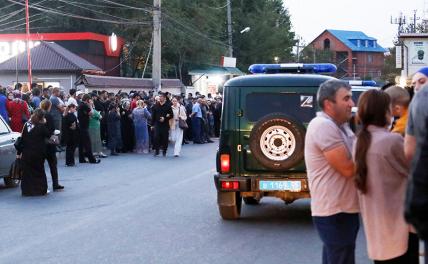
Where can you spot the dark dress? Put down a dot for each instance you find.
(34, 180)
(51, 150)
(71, 137)
(127, 129)
(114, 133)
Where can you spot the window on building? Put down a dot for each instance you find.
(358, 43)
(367, 44)
(370, 58)
(374, 44)
(327, 44)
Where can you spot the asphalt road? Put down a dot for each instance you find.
(141, 209)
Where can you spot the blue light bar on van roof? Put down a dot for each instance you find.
(362, 83)
(293, 68)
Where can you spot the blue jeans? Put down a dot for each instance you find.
(338, 233)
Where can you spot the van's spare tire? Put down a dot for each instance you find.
(277, 142)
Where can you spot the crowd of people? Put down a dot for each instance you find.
(379, 175)
(134, 122)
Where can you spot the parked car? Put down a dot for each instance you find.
(7, 152)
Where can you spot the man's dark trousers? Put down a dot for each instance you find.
(161, 137)
(69, 152)
(85, 148)
(196, 129)
(338, 233)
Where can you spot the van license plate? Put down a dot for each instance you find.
(292, 186)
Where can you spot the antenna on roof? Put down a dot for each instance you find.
(400, 21)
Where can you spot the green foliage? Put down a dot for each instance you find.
(193, 32)
(270, 35)
(310, 55)
(389, 71)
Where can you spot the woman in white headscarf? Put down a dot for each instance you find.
(176, 132)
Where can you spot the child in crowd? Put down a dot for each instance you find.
(400, 99)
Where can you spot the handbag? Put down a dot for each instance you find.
(181, 123)
(15, 172)
(53, 140)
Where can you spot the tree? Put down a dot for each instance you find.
(193, 32)
(270, 35)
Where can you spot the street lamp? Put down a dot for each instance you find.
(245, 30)
(276, 59)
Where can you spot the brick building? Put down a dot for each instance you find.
(355, 54)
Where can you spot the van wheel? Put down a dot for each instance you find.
(251, 201)
(10, 183)
(277, 142)
(229, 205)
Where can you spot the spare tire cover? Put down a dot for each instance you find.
(277, 142)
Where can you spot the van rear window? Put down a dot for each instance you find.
(301, 107)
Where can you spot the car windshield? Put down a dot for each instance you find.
(301, 107)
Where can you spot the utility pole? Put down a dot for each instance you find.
(156, 63)
(298, 46)
(229, 27)
(27, 26)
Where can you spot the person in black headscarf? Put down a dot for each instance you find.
(127, 127)
(114, 132)
(33, 153)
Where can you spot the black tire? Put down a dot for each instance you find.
(10, 183)
(282, 140)
(251, 201)
(232, 211)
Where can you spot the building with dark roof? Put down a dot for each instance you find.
(101, 50)
(51, 65)
(355, 54)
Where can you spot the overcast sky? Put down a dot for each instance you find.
(373, 17)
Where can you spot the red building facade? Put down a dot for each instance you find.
(100, 50)
(355, 54)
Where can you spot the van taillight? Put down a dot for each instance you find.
(230, 185)
(225, 163)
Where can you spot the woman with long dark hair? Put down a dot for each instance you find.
(34, 135)
(381, 178)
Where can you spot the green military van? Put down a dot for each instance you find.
(261, 145)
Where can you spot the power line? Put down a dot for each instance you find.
(14, 13)
(20, 25)
(221, 7)
(180, 30)
(15, 21)
(4, 7)
(94, 11)
(53, 11)
(194, 31)
(128, 6)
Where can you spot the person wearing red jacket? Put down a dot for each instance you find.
(18, 112)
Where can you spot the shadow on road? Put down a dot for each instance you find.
(275, 212)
